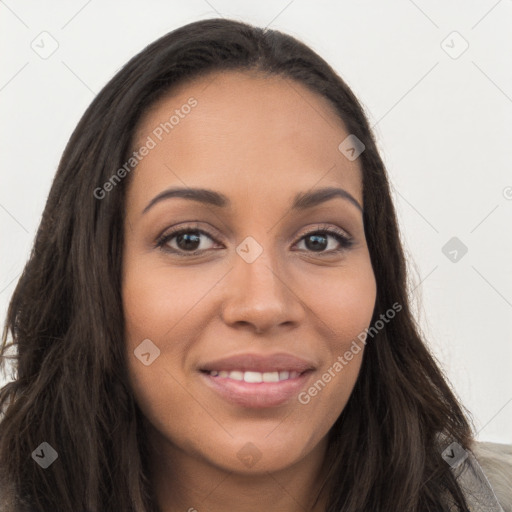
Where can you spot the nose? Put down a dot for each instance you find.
(260, 296)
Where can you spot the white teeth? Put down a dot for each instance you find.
(271, 377)
(255, 377)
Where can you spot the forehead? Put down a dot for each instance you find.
(244, 130)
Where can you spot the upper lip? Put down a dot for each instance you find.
(259, 363)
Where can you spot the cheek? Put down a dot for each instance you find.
(151, 300)
(158, 307)
(342, 307)
(156, 300)
(343, 303)
(153, 305)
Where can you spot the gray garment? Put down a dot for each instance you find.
(493, 461)
(477, 489)
(496, 462)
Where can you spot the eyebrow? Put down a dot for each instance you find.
(301, 201)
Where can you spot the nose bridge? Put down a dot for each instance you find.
(258, 270)
(259, 293)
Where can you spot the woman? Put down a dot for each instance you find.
(214, 315)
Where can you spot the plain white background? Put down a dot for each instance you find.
(442, 114)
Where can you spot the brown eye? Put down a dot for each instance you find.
(326, 241)
(186, 240)
(316, 242)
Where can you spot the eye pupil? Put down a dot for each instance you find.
(188, 238)
(318, 242)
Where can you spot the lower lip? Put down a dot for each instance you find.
(256, 395)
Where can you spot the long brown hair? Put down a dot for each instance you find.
(65, 320)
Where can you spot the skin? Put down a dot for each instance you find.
(260, 141)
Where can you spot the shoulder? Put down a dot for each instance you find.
(496, 462)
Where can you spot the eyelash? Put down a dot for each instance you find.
(339, 235)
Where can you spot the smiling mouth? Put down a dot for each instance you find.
(257, 381)
(257, 390)
(254, 377)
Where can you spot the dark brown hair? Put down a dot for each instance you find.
(70, 386)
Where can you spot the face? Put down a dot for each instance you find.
(239, 300)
